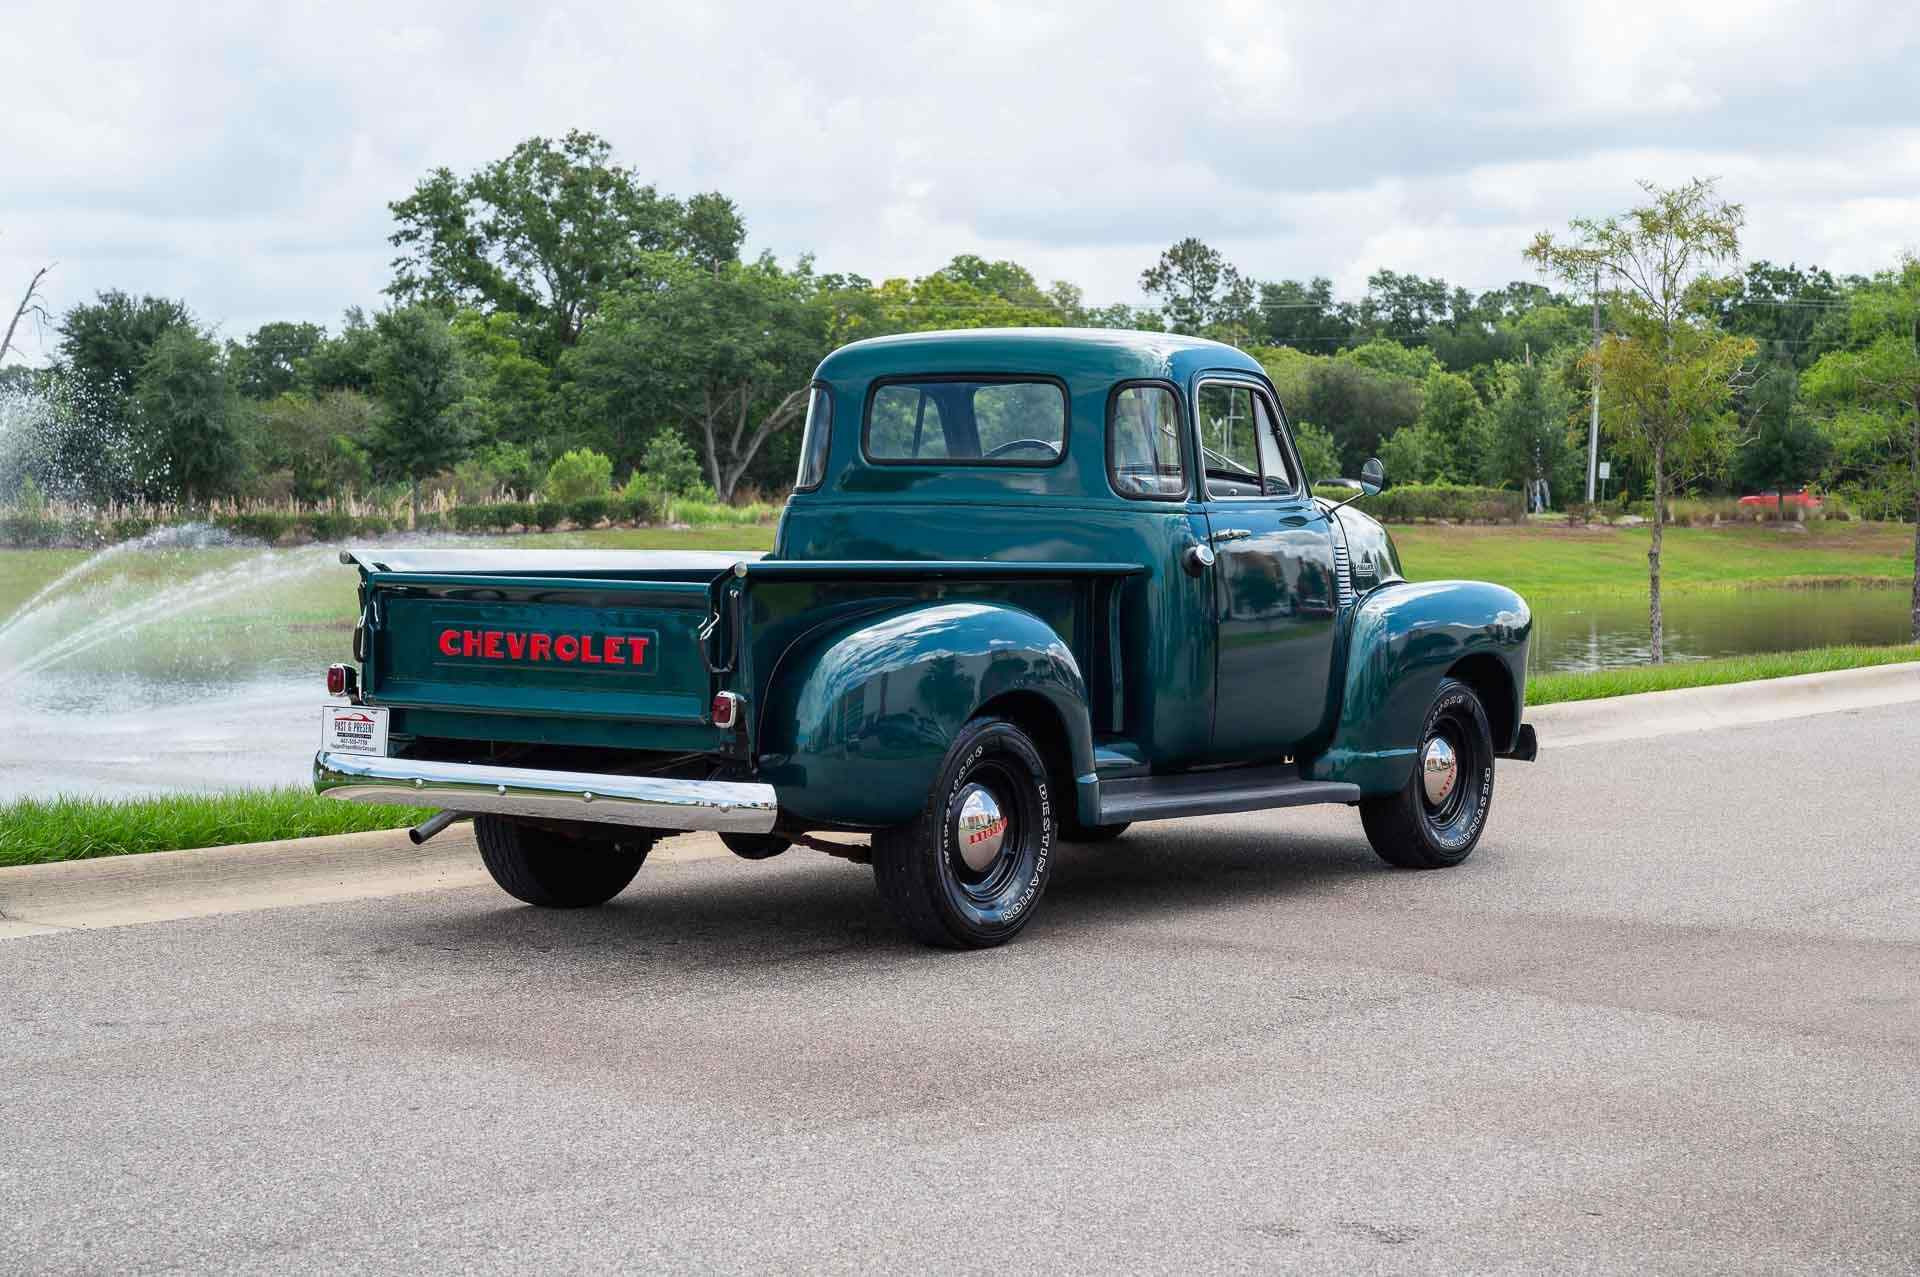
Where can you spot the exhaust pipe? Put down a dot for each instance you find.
(433, 825)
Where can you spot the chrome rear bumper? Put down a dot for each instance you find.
(646, 802)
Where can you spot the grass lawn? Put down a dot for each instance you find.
(35, 831)
(1537, 560)
(1547, 689)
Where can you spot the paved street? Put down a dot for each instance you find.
(1667, 1018)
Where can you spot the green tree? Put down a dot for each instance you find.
(941, 300)
(1785, 450)
(1669, 376)
(726, 354)
(1452, 415)
(1318, 453)
(342, 362)
(1882, 375)
(104, 345)
(1358, 406)
(184, 419)
(1199, 288)
(418, 381)
(578, 474)
(507, 390)
(539, 234)
(318, 442)
(267, 364)
(1527, 427)
(713, 230)
(1305, 316)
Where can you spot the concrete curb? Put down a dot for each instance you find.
(120, 891)
(1700, 709)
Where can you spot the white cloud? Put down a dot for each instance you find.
(241, 156)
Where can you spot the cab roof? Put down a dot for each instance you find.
(1072, 354)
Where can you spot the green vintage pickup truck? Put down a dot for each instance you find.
(1031, 585)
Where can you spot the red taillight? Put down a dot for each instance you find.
(340, 680)
(726, 709)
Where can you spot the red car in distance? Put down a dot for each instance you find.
(1802, 500)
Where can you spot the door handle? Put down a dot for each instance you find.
(1230, 534)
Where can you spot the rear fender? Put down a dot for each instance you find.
(862, 712)
(1403, 640)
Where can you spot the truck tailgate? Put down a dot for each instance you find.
(575, 648)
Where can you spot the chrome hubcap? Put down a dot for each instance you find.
(1439, 770)
(982, 828)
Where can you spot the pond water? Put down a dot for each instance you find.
(191, 662)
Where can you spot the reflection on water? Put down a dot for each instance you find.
(1606, 632)
(188, 662)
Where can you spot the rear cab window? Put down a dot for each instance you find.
(966, 421)
(1146, 454)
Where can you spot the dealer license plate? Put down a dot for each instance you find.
(353, 729)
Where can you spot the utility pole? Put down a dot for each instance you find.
(1593, 425)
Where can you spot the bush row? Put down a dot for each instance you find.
(1454, 502)
(45, 531)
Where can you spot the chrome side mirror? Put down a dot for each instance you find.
(1373, 477)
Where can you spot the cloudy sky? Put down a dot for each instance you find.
(241, 155)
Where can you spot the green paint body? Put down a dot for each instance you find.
(900, 600)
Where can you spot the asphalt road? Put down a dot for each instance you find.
(1666, 1019)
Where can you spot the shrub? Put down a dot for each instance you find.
(130, 528)
(1456, 502)
(516, 514)
(259, 525)
(579, 475)
(668, 468)
(589, 511)
(472, 518)
(633, 507)
(548, 514)
(334, 525)
(30, 531)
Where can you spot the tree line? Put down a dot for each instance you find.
(554, 302)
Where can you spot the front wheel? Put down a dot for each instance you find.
(550, 869)
(1436, 820)
(968, 871)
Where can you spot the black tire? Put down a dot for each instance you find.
(1071, 830)
(1415, 830)
(946, 886)
(554, 871)
(755, 846)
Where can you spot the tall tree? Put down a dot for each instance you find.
(267, 364)
(1305, 316)
(726, 354)
(1198, 286)
(1670, 374)
(104, 345)
(1527, 427)
(184, 419)
(1884, 370)
(418, 380)
(1784, 451)
(539, 234)
(714, 230)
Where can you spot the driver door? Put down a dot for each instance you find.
(1274, 594)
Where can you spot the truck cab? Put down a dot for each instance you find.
(1031, 584)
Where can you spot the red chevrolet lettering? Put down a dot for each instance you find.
(492, 647)
(516, 645)
(613, 650)
(638, 646)
(450, 642)
(567, 647)
(469, 643)
(539, 646)
(587, 653)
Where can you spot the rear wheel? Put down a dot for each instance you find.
(554, 870)
(968, 871)
(1437, 819)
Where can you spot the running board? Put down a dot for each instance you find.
(1215, 793)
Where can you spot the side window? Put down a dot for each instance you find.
(813, 441)
(1229, 440)
(1280, 478)
(1144, 454)
(904, 424)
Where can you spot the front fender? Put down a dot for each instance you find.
(862, 712)
(1403, 640)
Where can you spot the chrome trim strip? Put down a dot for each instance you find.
(646, 802)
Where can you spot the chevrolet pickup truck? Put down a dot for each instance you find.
(1031, 586)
